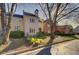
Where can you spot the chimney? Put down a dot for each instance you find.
(36, 12)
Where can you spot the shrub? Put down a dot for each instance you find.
(1, 40)
(37, 39)
(16, 34)
(68, 35)
(32, 39)
(40, 35)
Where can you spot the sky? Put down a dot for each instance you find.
(30, 7)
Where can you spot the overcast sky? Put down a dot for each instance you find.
(30, 7)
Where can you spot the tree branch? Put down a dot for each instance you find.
(51, 7)
(8, 7)
(15, 8)
(68, 13)
(43, 11)
(63, 9)
(10, 15)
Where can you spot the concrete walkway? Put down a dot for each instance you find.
(66, 48)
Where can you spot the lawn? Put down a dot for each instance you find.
(61, 38)
(70, 37)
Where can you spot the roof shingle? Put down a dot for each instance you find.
(30, 14)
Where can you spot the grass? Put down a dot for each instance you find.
(70, 37)
(1, 40)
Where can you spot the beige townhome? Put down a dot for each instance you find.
(28, 22)
(16, 22)
(32, 23)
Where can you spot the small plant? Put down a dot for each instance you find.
(34, 40)
(37, 39)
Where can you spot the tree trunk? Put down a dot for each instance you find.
(6, 27)
(6, 37)
(52, 33)
(53, 24)
(3, 23)
(52, 36)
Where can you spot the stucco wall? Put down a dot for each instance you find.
(16, 21)
(29, 25)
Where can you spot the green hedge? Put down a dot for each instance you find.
(1, 40)
(40, 35)
(16, 34)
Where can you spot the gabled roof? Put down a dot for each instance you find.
(29, 14)
(16, 15)
(25, 13)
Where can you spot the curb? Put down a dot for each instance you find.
(34, 52)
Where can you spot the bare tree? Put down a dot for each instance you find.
(6, 24)
(55, 12)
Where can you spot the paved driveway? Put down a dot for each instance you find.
(40, 51)
(45, 51)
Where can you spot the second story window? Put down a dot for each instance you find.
(32, 20)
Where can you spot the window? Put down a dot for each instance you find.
(19, 20)
(16, 28)
(32, 20)
(32, 30)
(39, 29)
